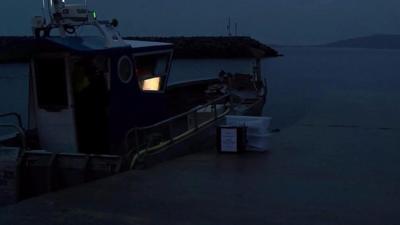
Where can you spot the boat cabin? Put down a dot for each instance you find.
(84, 96)
(86, 92)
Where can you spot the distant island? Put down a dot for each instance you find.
(378, 41)
(19, 49)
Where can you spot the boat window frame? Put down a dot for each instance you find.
(163, 76)
(60, 56)
(132, 72)
(107, 74)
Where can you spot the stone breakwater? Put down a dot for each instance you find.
(19, 48)
(215, 47)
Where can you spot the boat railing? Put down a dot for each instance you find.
(19, 131)
(15, 115)
(41, 172)
(143, 140)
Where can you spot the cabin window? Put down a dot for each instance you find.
(125, 69)
(151, 71)
(51, 83)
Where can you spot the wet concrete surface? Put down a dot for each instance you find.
(312, 175)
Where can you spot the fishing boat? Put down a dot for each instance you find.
(100, 105)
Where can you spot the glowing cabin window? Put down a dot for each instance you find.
(152, 71)
(152, 84)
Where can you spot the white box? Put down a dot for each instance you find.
(259, 143)
(255, 125)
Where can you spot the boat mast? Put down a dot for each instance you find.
(257, 69)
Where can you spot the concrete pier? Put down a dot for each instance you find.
(313, 175)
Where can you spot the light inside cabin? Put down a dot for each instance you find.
(94, 15)
(152, 84)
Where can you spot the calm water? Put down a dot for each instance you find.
(308, 85)
(324, 86)
(13, 91)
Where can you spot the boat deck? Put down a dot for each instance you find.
(312, 175)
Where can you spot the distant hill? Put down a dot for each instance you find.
(379, 41)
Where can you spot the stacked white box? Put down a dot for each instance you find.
(258, 136)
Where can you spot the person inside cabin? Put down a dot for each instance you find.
(91, 103)
(224, 79)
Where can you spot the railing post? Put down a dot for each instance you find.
(145, 139)
(215, 110)
(171, 138)
(50, 172)
(196, 121)
(136, 138)
(231, 102)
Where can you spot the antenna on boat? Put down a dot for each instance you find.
(43, 8)
(68, 17)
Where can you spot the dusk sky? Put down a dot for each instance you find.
(271, 21)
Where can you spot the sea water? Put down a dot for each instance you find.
(311, 86)
(334, 87)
